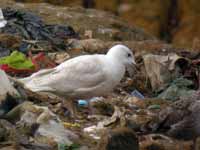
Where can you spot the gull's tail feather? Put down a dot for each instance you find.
(37, 86)
(37, 74)
(25, 80)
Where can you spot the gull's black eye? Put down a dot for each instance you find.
(129, 55)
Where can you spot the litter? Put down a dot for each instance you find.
(3, 22)
(82, 103)
(137, 94)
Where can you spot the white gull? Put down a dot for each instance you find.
(84, 76)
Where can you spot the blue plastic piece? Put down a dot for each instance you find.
(95, 99)
(82, 103)
(137, 94)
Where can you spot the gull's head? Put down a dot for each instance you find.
(124, 55)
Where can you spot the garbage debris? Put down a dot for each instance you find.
(154, 107)
(42, 61)
(180, 87)
(9, 96)
(135, 102)
(137, 94)
(119, 139)
(3, 22)
(82, 102)
(159, 141)
(93, 131)
(116, 119)
(161, 70)
(66, 124)
(100, 106)
(17, 64)
(31, 27)
(95, 99)
(181, 120)
(16, 61)
(160, 114)
(9, 43)
(6, 87)
(4, 52)
(68, 147)
(50, 128)
(59, 57)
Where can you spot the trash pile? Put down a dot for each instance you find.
(156, 109)
(31, 27)
(25, 33)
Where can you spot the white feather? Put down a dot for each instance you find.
(83, 76)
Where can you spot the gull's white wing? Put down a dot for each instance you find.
(82, 72)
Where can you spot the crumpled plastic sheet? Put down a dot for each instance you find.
(31, 27)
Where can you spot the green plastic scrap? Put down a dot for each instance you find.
(178, 88)
(62, 146)
(17, 60)
(154, 106)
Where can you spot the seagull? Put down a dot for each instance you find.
(85, 76)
